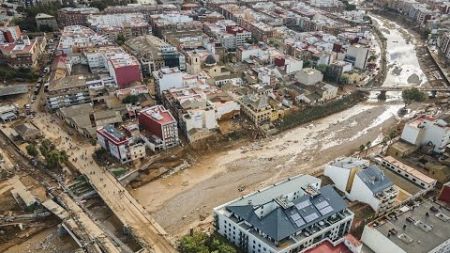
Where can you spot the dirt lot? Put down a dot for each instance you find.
(185, 199)
(45, 241)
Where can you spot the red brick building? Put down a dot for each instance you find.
(159, 125)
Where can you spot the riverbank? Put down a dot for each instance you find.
(186, 199)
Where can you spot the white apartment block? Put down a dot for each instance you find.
(287, 217)
(167, 78)
(427, 130)
(357, 55)
(195, 113)
(76, 37)
(362, 182)
(409, 173)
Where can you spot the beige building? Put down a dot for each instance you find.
(309, 76)
(257, 109)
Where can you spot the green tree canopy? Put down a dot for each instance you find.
(200, 242)
(120, 39)
(195, 243)
(131, 99)
(32, 150)
(413, 94)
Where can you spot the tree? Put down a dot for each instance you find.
(200, 242)
(120, 39)
(131, 99)
(46, 146)
(55, 158)
(307, 64)
(361, 148)
(45, 28)
(322, 68)
(343, 80)
(217, 246)
(32, 150)
(413, 94)
(195, 243)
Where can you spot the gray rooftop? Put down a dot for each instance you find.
(291, 217)
(349, 163)
(426, 232)
(13, 89)
(374, 178)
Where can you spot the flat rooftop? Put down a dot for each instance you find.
(424, 233)
(409, 170)
(159, 114)
(68, 82)
(13, 89)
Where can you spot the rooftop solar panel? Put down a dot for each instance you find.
(311, 217)
(303, 204)
(322, 204)
(300, 223)
(295, 217)
(326, 210)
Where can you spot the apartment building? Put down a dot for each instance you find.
(23, 52)
(159, 127)
(10, 34)
(290, 216)
(363, 182)
(121, 66)
(229, 34)
(167, 78)
(443, 43)
(407, 172)
(171, 22)
(153, 53)
(129, 25)
(124, 148)
(75, 38)
(423, 228)
(75, 16)
(256, 108)
(427, 130)
(194, 112)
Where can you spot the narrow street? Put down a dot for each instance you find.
(129, 211)
(89, 230)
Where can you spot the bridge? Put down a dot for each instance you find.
(400, 88)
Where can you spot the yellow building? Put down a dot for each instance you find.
(257, 109)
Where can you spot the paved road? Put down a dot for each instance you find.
(135, 218)
(150, 235)
(88, 229)
(95, 233)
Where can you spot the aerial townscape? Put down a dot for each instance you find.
(225, 126)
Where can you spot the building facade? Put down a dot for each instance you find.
(75, 16)
(123, 148)
(414, 229)
(291, 216)
(363, 182)
(167, 78)
(427, 130)
(160, 125)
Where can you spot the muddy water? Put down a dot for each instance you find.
(401, 58)
(177, 202)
